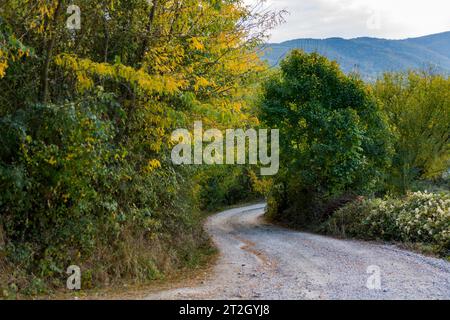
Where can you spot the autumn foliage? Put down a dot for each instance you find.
(85, 120)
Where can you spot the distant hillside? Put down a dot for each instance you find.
(370, 56)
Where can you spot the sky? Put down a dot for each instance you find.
(390, 19)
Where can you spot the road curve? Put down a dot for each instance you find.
(262, 261)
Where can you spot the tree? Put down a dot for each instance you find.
(417, 105)
(334, 139)
(86, 117)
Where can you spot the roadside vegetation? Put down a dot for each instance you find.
(85, 119)
(358, 158)
(419, 218)
(86, 116)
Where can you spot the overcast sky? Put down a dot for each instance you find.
(392, 19)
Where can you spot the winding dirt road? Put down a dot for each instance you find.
(262, 261)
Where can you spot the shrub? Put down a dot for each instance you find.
(417, 105)
(85, 171)
(333, 137)
(419, 217)
(223, 186)
(425, 217)
(71, 194)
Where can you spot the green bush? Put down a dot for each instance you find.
(419, 217)
(333, 137)
(417, 105)
(73, 194)
(223, 186)
(85, 119)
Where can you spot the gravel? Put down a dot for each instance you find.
(262, 261)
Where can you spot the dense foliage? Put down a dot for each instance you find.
(420, 217)
(85, 121)
(220, 187)
(334, 140)
(86, 117)
(343, 139)
(418, 108)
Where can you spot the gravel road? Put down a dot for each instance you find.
(262, 261)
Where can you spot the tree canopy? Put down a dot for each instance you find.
(418, 107)
(333, 136)
(86, 116)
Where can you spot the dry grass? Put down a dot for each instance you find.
(136, 264)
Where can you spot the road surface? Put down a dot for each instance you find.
(262, 261)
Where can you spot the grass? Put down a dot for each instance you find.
(195, 271)
(138, 264)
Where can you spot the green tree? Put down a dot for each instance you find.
(333, 138)
(417, 105)
(86, 115)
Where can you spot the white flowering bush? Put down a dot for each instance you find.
(420, 217)
(425, 217)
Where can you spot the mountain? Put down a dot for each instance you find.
(370, 57)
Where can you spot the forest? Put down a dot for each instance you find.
(86, 117)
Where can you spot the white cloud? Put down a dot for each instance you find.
(392, 19)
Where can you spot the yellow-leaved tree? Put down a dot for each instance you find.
(86, 114)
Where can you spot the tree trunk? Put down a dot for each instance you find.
(49, 46)
(149, 29)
